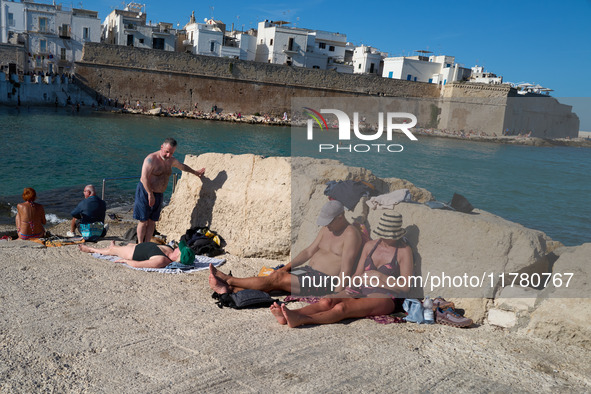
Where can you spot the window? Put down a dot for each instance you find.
(10, 19)
(212, 46)
(271, 42)
(322, 45)
(86, 33)
(141, 40)
(317, 67)
(158, 43)
(359, 66)
(290, 44)
(64, 31)
(331, 48)
(43, 46)
(62, 53)
(43, 25)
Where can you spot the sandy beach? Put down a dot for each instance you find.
(73, 323)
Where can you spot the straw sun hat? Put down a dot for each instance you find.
(390, 226)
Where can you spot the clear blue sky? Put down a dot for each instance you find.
(542, 42)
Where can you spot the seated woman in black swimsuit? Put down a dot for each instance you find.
(146, 254)
(388, 256)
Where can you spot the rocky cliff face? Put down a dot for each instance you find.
(267, 207)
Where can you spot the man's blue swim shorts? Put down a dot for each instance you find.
(141, 209)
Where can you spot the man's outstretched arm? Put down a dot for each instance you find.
(186, 168)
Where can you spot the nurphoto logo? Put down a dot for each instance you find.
(394, 121)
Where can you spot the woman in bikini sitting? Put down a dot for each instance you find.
(30, 216)
(388, 256)
(146, 254)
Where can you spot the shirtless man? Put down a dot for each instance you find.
(156, 172)
(334, 252)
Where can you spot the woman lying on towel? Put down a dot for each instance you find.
(388, 256)
(146, 254)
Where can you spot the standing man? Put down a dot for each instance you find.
(89, 215)
(156, 171)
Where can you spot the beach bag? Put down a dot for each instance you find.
(92, 231)
(460, 203)
(243, 299)
(204, 242)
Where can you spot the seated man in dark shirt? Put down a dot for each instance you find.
(89, 216)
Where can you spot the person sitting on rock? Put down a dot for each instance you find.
(381, 265)
(334, 252)
(145, 254)
(89, 216)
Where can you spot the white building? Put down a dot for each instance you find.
(239, 45)
(281, 44)
(433, 69)
(53, 35)
(479, 75)
(128, 27)
(204, 38)
(367, 60)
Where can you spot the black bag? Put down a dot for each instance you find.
(202, 244)
(248, 298)
(461, 204)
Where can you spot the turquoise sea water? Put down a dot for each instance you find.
(58, 152)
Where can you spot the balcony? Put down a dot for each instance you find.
(64, 32)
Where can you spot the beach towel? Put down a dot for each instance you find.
(389, 200)
(54, 241)
(201, 263)
(382, 319)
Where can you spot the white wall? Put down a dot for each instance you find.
(334, 41)
(273, 46)
(363, 57)
(18, 19)
(248, 46)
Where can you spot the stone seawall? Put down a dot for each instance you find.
(181, 80)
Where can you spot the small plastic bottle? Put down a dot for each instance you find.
(428, 311)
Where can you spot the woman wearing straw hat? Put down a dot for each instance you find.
(383, 261)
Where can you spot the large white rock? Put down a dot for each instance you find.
(564, 313)
(244, 198)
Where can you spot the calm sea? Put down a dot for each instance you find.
(57, 152)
